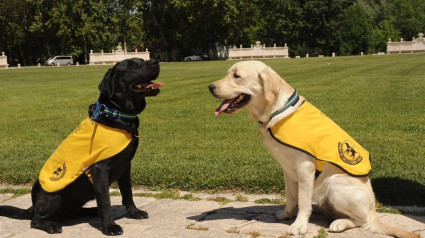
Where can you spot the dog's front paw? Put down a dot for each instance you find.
(138, 214)
(298, 228)
(112, 230)
(284, 215)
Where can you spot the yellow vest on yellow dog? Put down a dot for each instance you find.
(90, 143)
(311, 131)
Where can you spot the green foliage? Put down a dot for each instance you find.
(241, 198)
(408, 16)
(15, 192)
(269, 201)
(322, 233)
(355, 31)
(382, 33)
(33, 30)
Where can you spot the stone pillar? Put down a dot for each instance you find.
(307, 55)
(3, 61)
(333, 54)
(38, 65)
(90, 58)
(18, 66)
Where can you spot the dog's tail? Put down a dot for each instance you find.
(375, 225)
(16, 213)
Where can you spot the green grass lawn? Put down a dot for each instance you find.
(379, 100)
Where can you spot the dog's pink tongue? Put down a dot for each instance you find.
(222, 107)
(155, 85)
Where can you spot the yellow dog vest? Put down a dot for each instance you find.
(312, 132)
(88, 144)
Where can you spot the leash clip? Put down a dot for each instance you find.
(97, 111)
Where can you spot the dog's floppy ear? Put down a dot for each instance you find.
(107, 86)
(271, 81)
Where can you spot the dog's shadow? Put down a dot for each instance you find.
(399, 192)
(261, 213)
(93, 219)
(90, 216)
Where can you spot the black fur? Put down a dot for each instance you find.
(117, 91)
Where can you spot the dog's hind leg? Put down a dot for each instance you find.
(340, 225)
(50, 227)
(45, 208)
(349, 201)
(88, 212)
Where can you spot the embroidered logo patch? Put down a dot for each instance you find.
(348, 153)
(59, 172)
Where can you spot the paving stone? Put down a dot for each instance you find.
(193, 219)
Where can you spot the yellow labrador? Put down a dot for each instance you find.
(338, 190)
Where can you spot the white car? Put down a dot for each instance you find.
(196, 57)
(60, 60)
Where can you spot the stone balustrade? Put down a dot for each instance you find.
(3, 61)
(116, 56)
(417, 45)
(259, 52)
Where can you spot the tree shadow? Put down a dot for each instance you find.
(399, 192)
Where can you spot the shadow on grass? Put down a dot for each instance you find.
(399, 192)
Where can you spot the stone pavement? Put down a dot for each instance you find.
(195, 219)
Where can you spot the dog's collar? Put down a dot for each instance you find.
(290, 103)
(103, 109)
(293, 99)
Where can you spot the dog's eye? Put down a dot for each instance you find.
(236, 76)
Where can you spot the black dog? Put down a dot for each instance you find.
(122, 96)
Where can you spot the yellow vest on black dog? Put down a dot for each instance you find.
(312, 132)
(91, 142)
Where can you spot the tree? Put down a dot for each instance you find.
(33, 30)
(15, 19)
(381, 34)
(354, 32)
(408, 16)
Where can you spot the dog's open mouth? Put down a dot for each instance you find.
(232, 105)
(147, 89)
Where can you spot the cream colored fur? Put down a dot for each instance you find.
(348, 198)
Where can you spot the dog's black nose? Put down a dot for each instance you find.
(212, 88)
